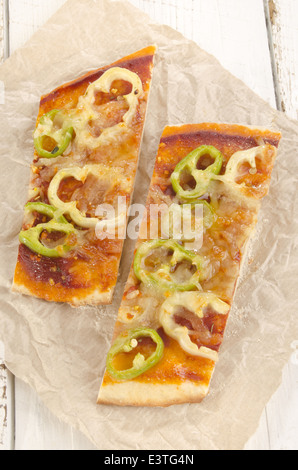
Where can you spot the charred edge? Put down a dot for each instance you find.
(206, 137)
(139, 64)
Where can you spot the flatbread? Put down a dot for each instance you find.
(87, 143)
(182, 286)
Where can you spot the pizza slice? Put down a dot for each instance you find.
(87, 142)
(201, 210)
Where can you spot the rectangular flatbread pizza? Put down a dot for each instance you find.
(87, 142)
(209, 179)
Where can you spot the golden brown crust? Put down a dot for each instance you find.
(223, 130)
(139, 62)
(151, 394)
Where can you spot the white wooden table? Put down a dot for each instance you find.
(256, 40)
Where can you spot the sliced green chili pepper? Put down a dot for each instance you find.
(47, 210)
(163, 277)
(31, 238)
(62, 136)
(125, 343)
(58, 223)
(202, 177)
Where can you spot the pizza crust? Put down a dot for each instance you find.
(151, 394)
(96, 298)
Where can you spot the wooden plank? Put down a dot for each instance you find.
(1, 31)
(233, 31)
(26, 16)
(282, 15)
(3, 371)
(280, 417)
(260, 440)
(6, 405)
(282, 411)
(284, 30)
(6, 378)
(4, 45)
(38, 429)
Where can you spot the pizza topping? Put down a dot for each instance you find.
(70, 207)
(132, 341)
(182, 316)
(104, 83)
(57, 224)
(93, 121)
(45, 209)
(191, 177)
(108, 107)
(53, 134)
(87, 117)
(246, 170)
(164, 264)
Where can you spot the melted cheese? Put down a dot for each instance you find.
(81, 174)
(104, 84)
(180, 223)
(106, 227)
(86, 111)
(194, 302)
(237, 159)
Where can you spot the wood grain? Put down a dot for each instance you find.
(233, 31)
(26, 16)
(284, 26)
(38, 429)
(1, 31)
(6, 405)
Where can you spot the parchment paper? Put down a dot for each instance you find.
(60, 351)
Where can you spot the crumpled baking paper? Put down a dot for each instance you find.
(61, 351)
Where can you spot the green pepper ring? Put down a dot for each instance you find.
(65, 141)
(45, 209)
(202, 177)
(180, 253)
(31, 236)
(123, 344)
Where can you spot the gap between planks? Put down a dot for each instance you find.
(284, 31)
